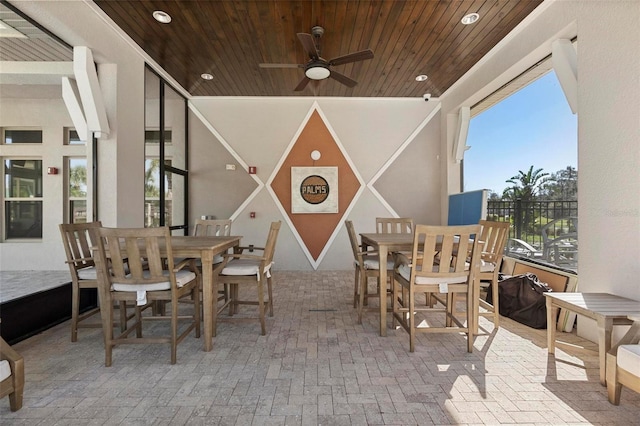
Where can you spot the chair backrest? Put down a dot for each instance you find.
(494, 235)
(394, 225)
(353, 239)
(212, 228)
(135, 255)
(436, 252)
(270, 245)
(77, 241)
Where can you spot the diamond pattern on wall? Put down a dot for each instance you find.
(315, 229)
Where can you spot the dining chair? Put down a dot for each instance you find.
(77, 242)
(245, 267)
(394, 225)
(11, 375)
(136, 273)
(494, 237)
(214, 228)
(435, 266)
(623, 363)
(366, 265)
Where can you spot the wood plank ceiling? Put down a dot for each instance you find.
(229, 39)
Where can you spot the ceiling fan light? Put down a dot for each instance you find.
(317, 72)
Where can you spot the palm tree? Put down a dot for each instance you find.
(78, 181)
(526, 186)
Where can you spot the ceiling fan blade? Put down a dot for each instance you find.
(280, 65)
(352, 57)
(309, 45)
(341, 78)
(303, 83)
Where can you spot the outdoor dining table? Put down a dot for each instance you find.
(205, 249)
(385, 243)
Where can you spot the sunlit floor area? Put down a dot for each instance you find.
(315, 366)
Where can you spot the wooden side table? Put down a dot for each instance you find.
(606, 309)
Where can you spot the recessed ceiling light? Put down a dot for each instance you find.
(206, 76)
(162, 17)
(470, 18)
(421, 77)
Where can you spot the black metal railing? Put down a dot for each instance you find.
(543, 230)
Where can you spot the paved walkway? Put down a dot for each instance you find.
(317, 366)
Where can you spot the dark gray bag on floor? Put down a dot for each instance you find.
(521, 298)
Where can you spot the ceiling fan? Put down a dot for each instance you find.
(318, 68)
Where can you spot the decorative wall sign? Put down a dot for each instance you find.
(314, 190)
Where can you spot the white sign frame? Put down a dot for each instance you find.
(299, 204)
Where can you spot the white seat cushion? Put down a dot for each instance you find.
(487, 266)
(245, 267)
(87, 273)
(405, 272)
(629, 358)
(5, 369)
(182, 277)
(373, 263)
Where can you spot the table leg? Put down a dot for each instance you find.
(382, 251)
(207, 298)
(605, 326)
(552, 312)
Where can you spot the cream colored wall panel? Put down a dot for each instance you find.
(411, 184)
(371, 130)
(258, 129)
(214, 190)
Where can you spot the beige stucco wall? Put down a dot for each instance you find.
(392, 138)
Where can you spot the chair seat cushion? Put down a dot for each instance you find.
(5, 369)
(405, 272)
(487, 266)
(374, 263)
(629, 358)
(182, 277)
(87, 273)
(245, 267)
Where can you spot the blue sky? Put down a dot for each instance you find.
(533, 127)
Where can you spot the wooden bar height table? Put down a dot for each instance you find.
(385, 244)
(205, 249)
(606, 309)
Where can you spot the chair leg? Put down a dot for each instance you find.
(361, 295)
(75, 308)
(470, 321)
(15, 399)
(270, 292)
(394, 302)
(263, 326)
(106, 309)
(356, 285)
(139, 319)
(196, 309)
(495, 299)
(412, 321)
(174, 333)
